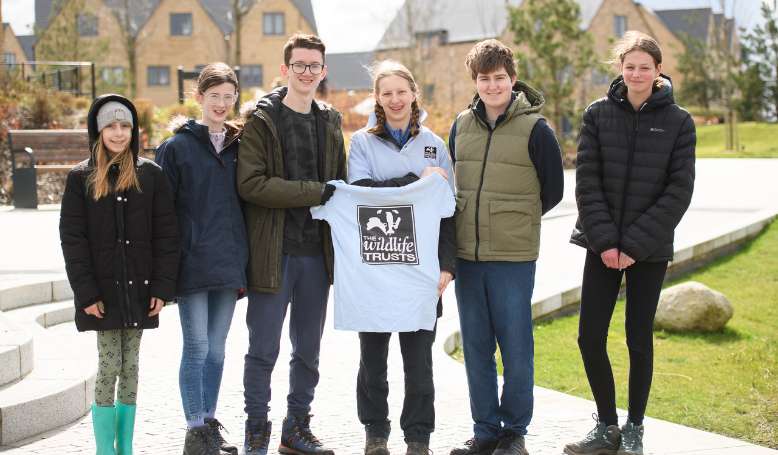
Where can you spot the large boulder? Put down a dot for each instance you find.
(692, 306)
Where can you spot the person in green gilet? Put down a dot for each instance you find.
(508, 169)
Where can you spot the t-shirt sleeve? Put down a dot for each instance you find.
(444, 161)
(358, 164)
(444, 197)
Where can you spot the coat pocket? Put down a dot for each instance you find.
(512, 226)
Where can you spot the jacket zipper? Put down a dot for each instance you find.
(478, 194)
(630, 157)
(124, 307)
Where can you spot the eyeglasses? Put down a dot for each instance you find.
(214, 98)
(300, 67)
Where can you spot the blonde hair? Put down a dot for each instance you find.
(384, 69)
(99, 182)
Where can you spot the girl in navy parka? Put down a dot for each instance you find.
(199, 160)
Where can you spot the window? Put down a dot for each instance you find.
(273, 24)
(619, 25)
(251, 75)
(87, 24)
(9, 58)
(180, 24)
(158, 75)
(112, 75)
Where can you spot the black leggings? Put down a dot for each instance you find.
(598, 298)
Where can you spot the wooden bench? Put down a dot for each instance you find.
(42, 148)
(34, 151)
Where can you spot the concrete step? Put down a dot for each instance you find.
(16, 351)
(22, 293)
(59, 389)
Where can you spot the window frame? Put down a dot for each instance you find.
(274, 25)
(84, 20)
(157, 82)
(181, 25)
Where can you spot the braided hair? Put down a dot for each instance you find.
(381, 70)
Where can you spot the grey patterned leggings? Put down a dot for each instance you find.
(118, 352)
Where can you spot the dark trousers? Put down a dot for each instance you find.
(598, 298)
(418, 414)
(305, 285)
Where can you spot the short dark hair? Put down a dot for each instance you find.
(489, 56)
(216, 74)
(305, 41)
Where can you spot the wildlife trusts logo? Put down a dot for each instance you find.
(387, 235)
(430, 151)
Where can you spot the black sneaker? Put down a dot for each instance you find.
(297, 439)
(257, 438)
(476, 446)
(602, 440)
(216, 434)
(376, 446)
(631, 439)
(198, 441)
(510, 443)
(418, 448)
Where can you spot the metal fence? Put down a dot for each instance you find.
(77, 78)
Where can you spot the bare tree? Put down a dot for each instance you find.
(240, 8)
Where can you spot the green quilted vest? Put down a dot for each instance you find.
(498, 192)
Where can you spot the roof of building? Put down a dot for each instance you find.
(28, 43)
(694, 23)
(461, 21)
(348, 71)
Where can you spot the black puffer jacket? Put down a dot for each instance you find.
(635, 173)
(123, 248)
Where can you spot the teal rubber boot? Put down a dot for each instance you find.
(125, 427)
(104, 425)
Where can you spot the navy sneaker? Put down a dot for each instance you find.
(297, 439)
(257, 438)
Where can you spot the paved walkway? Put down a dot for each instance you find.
(727, 191)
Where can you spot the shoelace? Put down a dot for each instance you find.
(216, 427)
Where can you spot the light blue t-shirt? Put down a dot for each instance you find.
(386, 253)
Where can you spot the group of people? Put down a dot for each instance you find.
(225, 212)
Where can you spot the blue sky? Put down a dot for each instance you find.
(362, 28)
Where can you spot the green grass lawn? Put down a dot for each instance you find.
(757, 140)
(722, 382)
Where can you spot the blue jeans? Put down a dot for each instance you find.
(205, 322)
(305, 285)
(494, 301)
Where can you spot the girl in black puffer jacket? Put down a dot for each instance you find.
(634, 181)
(120, 244)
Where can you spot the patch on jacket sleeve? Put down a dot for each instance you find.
(430, 151)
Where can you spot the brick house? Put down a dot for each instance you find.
(14, 49)
(445, 30)
(172, 33)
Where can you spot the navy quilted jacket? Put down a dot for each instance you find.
(214, 247)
